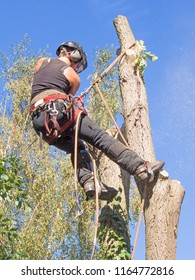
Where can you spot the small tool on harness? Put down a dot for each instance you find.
(51, 123)
(73, 106)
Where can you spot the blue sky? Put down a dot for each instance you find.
(167, 28)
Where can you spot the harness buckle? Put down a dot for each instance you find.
(51, 109)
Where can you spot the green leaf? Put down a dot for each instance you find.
(4, 177)
(151, 56)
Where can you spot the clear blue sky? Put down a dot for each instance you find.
(167, 28)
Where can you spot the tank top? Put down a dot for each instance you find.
(50, 76)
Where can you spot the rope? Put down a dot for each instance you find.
(97, 208)
(75, 155)
(145, 186)
(111, 115)
(139, 222)
(105, 72)
(95, 182)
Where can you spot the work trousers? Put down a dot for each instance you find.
(90, 132)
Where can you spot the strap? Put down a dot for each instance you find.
(47, 98)
(52, 126)
(59, 130)
(67, 124)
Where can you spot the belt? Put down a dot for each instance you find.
(34, 106)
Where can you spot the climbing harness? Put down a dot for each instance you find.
(50, 120)
(73, 106)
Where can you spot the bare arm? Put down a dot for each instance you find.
(73, 79)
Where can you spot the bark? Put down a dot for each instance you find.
(164, 199)
(114, 232)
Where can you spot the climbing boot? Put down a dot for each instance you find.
(107, 193)
(104, 192)
(89, 188)
(147, 171)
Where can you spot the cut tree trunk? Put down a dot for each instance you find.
(163, 200)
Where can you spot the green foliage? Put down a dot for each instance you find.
(56, 224)
(11, 183)
(13, 196)
(141, 60)
(113, 232)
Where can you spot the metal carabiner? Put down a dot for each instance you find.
(52, 109)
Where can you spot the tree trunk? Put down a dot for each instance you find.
(163, 200)
(114, 233)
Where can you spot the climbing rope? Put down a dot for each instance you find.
(139, 222)
(97, 205)
(111, 115)
(75, 157)
(145, 185)
(105, 72)
(95, 183)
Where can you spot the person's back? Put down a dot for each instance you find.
(50, 76)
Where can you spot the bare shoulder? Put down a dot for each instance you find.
(73, 80)
(71, 75)
(39, 63)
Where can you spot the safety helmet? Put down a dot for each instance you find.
(76, 55)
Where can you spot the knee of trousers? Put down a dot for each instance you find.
(125, 158)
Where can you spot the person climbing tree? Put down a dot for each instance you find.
(54, 110)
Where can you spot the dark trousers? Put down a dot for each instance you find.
(91, 133)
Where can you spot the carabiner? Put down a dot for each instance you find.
(52, 109)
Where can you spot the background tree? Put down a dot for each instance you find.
(13, 198)
(55, 225)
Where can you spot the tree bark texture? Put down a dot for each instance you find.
(114, 232)
(163, 200)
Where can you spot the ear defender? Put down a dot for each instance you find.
(75, 56)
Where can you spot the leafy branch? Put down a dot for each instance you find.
(141, 61)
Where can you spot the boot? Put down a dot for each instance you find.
(147, 171)
(104, 192)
